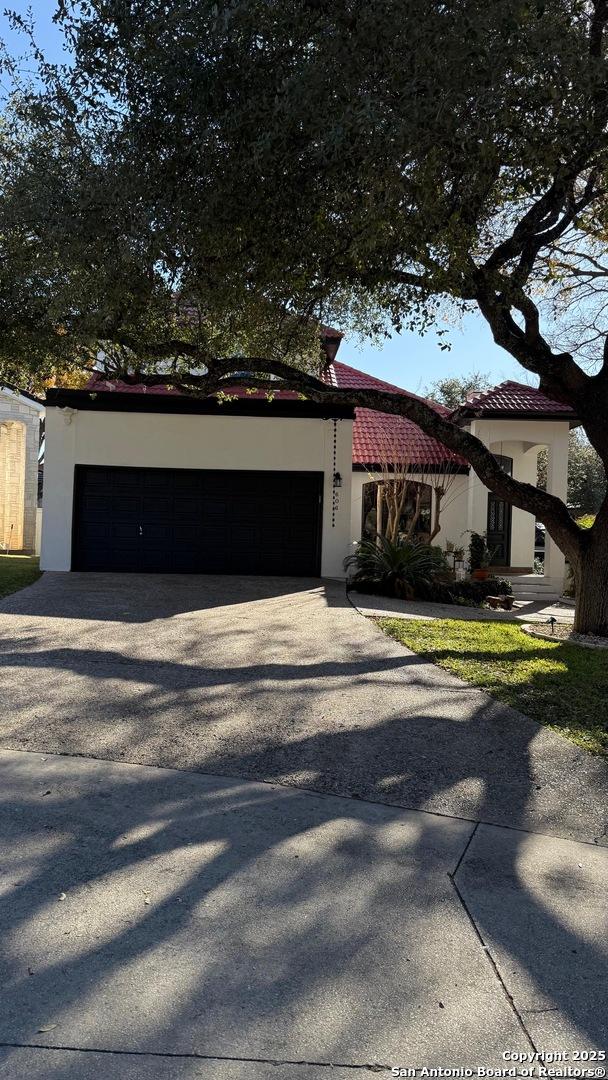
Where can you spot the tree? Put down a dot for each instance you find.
(453, 390)
(400, 485)
(586, 476)
(206, 180)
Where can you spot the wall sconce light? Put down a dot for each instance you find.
(337, 480)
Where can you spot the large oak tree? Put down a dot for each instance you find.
(205, 181)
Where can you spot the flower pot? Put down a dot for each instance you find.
(481, 574)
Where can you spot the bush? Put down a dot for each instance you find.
(465, 593)
(404, 570)
(413, 570)
(478, 590)
(479, 553)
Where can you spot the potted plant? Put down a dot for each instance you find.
(479, 557)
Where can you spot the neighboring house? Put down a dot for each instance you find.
(20, 419)
(148, 479)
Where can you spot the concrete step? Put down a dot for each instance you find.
(534, 589)
(543, 595)
(536, 598)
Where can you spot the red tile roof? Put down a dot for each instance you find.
(379, 437)
(117, 386)
(513, 397)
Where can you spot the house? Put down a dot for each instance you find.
(21, 416)
(148, 479)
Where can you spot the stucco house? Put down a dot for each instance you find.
(148, 479)
(20, 418)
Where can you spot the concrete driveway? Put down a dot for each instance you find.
(157, 923)
(280, 680)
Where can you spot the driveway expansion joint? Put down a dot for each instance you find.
(466, 847)
(487, 952)
(317, 792)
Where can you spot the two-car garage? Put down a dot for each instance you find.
(152, 483)
(197, 521)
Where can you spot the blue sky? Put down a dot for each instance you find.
(407, 359)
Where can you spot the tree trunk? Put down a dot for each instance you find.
(379, 513)
(591, 577)
(439, 493)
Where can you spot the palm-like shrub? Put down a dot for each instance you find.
(401, 569)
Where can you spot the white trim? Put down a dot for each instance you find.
(20, 399)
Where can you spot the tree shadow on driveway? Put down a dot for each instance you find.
(312, 697)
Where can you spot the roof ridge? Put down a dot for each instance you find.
(384, 384)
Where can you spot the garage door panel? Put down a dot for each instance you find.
(202, 521)
(154, 507)
(99, 506)
(187, 509)
(121, 506)
(120, 531)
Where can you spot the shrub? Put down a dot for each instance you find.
(404, 570)
(479, 555)
(478, 590)
(414, 570)
(465, 593)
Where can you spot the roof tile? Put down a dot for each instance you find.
(513, 397)
(379, 437)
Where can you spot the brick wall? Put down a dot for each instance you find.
(19, 440)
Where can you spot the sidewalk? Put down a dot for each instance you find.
(163, 924)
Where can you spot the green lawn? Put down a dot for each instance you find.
(562, 686)
(17, 571)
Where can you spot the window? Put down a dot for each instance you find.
(422, 528)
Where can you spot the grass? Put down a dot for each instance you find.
(17, 571)
(560, 685)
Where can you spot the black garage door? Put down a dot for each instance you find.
(195, 521)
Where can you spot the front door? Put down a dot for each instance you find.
(498, 532)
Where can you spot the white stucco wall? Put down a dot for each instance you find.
(465, 504)
(522, 440)
(453, 512)
(153, 440)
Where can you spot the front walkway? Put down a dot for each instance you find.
(160, 924)
(524, 611)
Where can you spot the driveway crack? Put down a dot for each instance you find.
(372, 1067)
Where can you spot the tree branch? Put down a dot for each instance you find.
(547, 508)
(597, 27)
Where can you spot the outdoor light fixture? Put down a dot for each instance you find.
(337, 480)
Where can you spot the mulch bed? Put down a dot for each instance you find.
(563, 632)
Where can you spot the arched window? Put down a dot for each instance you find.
(422, 526)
